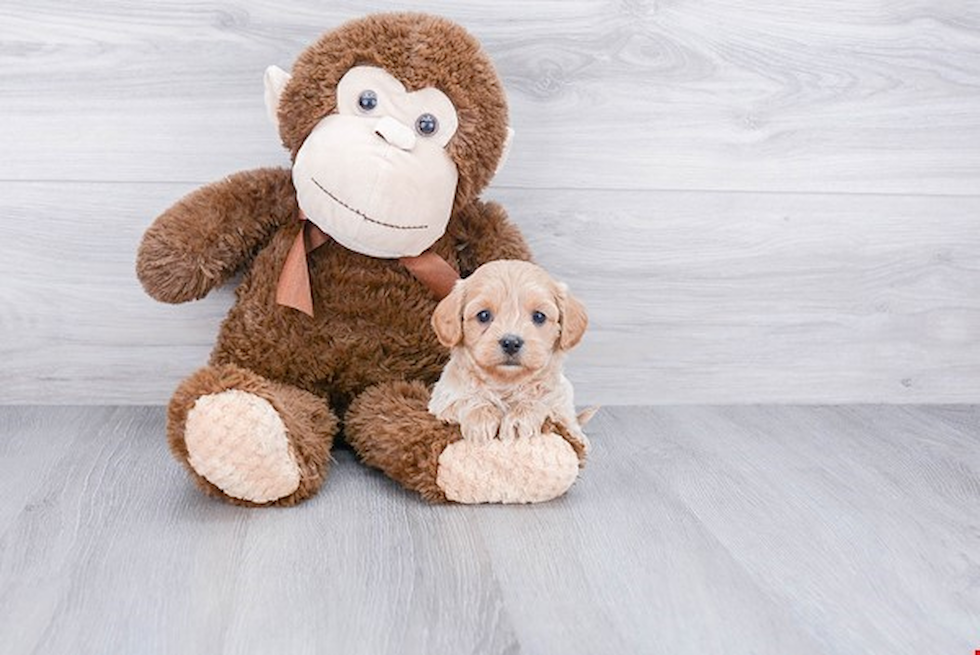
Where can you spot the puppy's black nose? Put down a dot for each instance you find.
(511, 343)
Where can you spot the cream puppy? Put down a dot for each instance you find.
(508, 326)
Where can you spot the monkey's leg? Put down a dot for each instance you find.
(390, 428)
(249, 440)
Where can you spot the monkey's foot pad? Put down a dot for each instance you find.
(237, 441)
(520, 471)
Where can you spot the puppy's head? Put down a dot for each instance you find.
(511, 317)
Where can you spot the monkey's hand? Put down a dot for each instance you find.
(200, 242)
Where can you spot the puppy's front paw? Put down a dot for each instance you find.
(518, 425)
(480, 425)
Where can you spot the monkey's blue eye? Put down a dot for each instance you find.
(484, 316)
(427, 124)
(368, 100)
(539, 318)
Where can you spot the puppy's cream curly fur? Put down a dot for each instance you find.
(509, 326)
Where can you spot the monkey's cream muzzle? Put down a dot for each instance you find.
(375, 176)
(395, 133)
(370, 176)
(374, 186)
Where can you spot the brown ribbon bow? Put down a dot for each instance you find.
(294, 288)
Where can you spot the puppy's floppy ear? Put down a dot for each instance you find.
(447, 320)
(573, 319)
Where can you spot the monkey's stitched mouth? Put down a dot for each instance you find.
(363, 215)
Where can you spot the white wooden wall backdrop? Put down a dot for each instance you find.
(764, 201)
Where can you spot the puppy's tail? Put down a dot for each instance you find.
(586, 414)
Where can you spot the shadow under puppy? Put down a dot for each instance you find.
(509, 326)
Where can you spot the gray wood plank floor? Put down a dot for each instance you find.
(755, 529)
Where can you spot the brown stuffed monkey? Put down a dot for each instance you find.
(395, 123)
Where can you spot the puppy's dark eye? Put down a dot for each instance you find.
(539, 318)
(484, 316)
(368, 100)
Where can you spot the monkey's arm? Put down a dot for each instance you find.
(200, 242)
(486, 234)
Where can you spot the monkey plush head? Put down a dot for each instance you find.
(393, 122)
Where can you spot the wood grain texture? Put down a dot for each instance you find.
(834, 95)
(693, 297)
(765, 203)
(692, 530)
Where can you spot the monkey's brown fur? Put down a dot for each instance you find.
(420, 50)
(370, 335)
(308, 419)
(411, 456)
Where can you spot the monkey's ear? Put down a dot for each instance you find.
(573, 319)
(447, 320)
(275, 81)
(508, 140)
